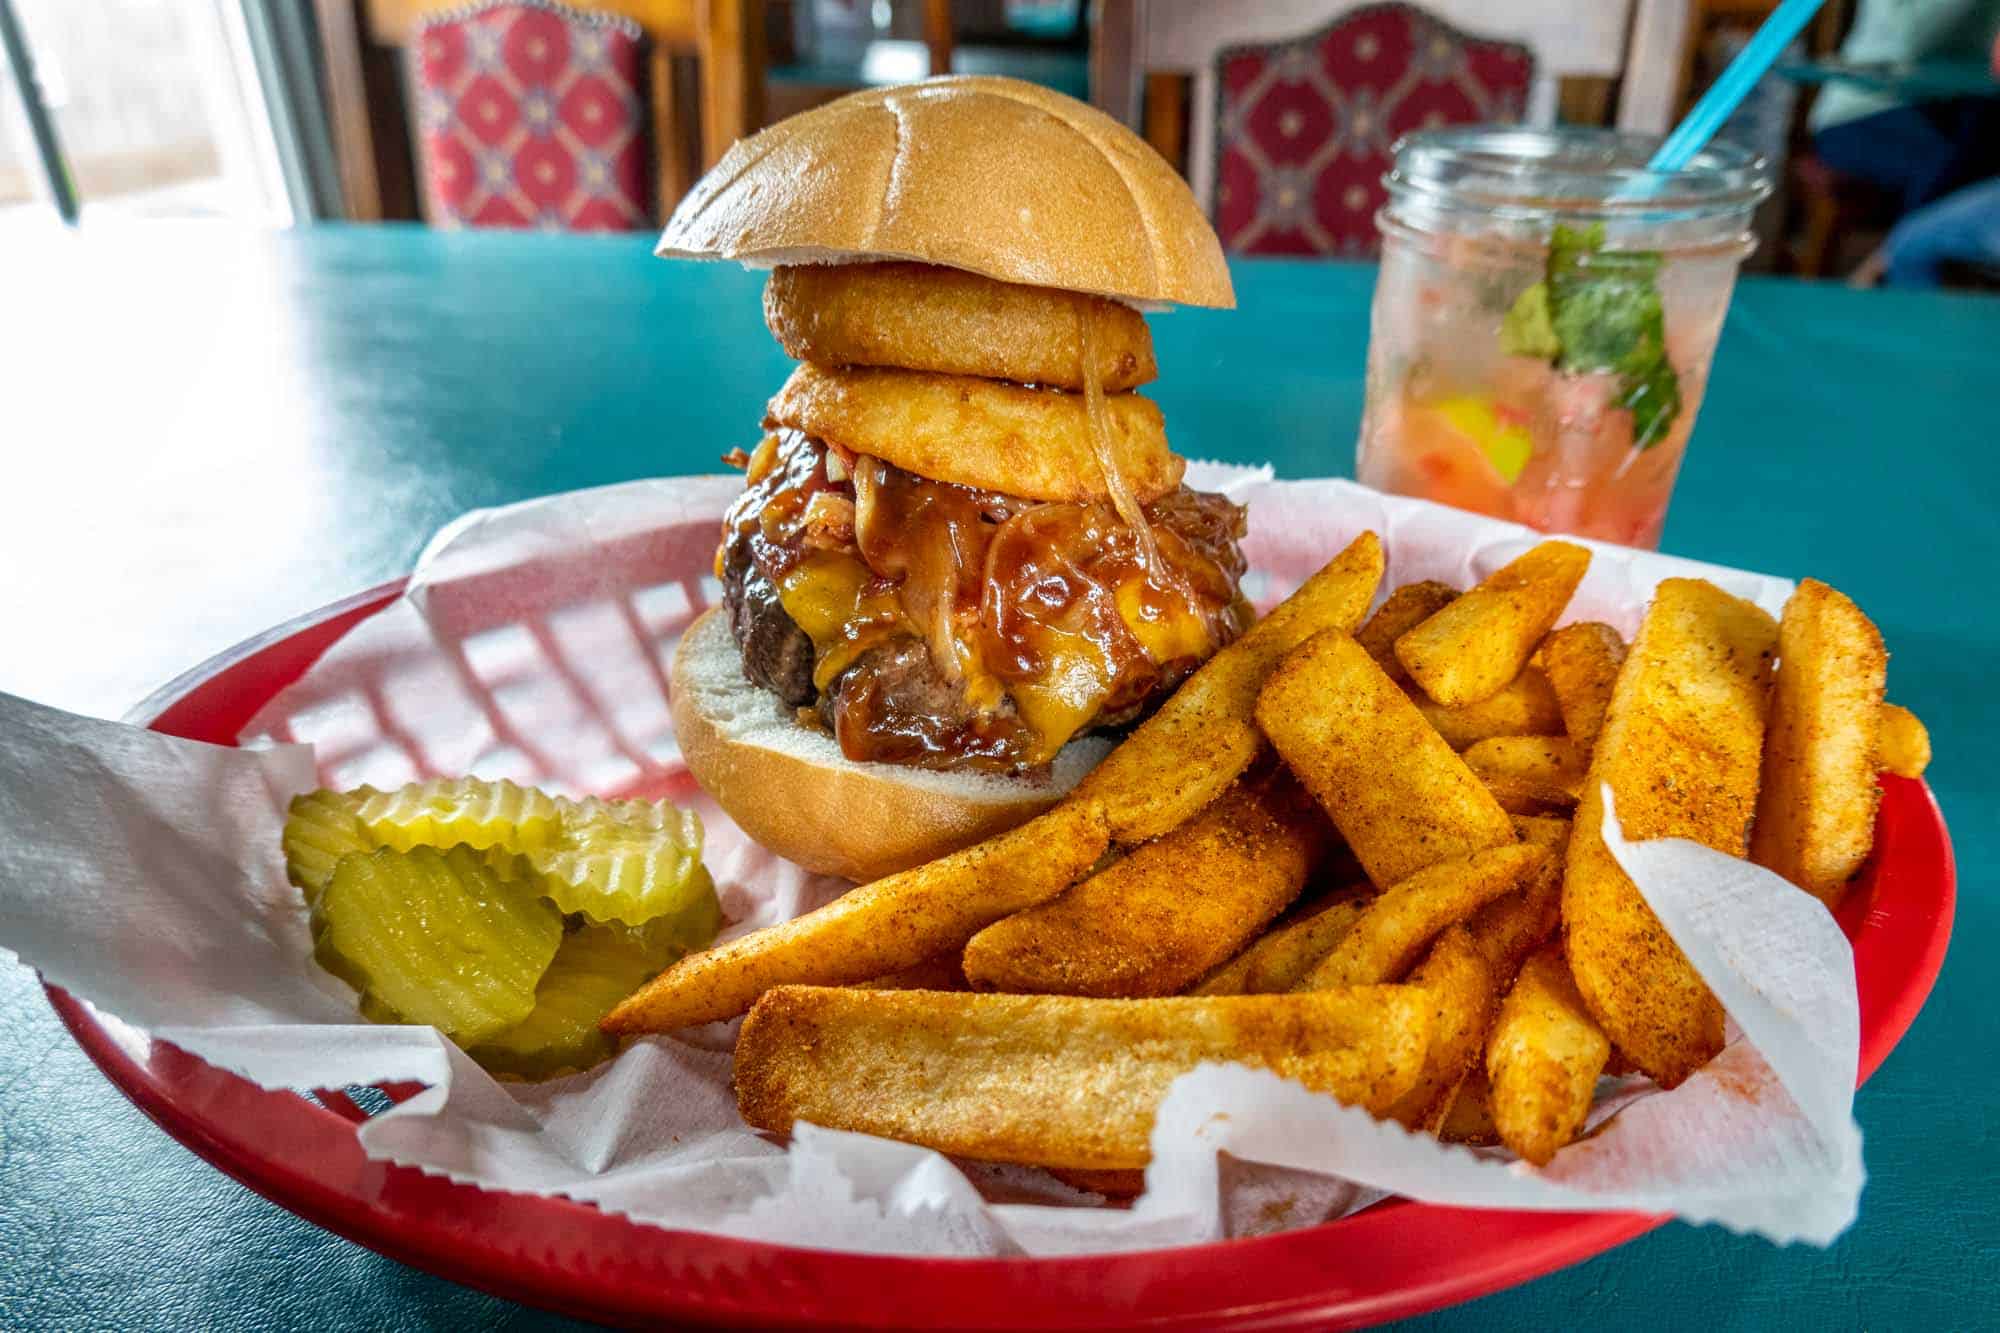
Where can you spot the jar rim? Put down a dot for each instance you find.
(1519, 173)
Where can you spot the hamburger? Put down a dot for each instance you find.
(964, 556)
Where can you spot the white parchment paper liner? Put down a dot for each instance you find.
(143, 874)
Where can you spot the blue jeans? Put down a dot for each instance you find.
(1960, 228)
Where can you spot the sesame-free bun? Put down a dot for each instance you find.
(995, 176)
(790, 788)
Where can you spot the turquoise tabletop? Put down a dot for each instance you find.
(206, 431)
(1915, 81)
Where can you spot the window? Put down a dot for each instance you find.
(156, 109)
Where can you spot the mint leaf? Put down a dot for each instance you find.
(1527, 329)
(1605, 314)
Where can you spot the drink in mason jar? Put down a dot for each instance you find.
(1544, 321)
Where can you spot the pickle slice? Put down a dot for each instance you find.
(445, 812)
(629, 861)
(437, 938)
(595, 968)
(692, 926)
(320, 828)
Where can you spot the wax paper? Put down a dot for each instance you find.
(142, 873)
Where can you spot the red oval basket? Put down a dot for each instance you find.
(1392, 1260)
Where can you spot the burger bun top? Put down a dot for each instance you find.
(991, 175)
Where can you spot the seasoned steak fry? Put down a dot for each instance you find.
(1816, 809)
(1903, 746)
(1528, 775)
(1513, 925)
(878, 928)
(1581, 662)
(1525, 706)
(1388, 781)
(1471, 648)
(1403, 918)
(1543, 1059)
(1407, 607)
(1053, 1080)
(1158, 919)
(1203, 738)
(1459, 981)
(1282, 958)
(1679, 750)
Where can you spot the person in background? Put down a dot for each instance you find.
(1917, 150)
(1961, 228)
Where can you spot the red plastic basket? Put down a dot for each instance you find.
(1393, 1260)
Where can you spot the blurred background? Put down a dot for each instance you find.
(599, 114)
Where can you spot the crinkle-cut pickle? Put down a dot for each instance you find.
(444, 812)
(629, 861)
(321, 827)
(438, 938)
(594, 969)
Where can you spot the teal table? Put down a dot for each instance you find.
(1913, 81)
(205, 431)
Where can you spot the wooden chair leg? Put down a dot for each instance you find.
(1166, 118)
(937, 34)
(672, 143)
(730, 39)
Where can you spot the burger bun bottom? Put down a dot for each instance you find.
(788, 786)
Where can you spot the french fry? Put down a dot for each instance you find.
(1202, 737)
(1525, 706)
(1121, 1184)
(1471, 648)
(1388, 781)
(1154, 921)
(878, 928)
(1581, 662)
(1816, 807)
(1470, 1119)
(1053, 1080)
(1543, 1059)
(1513, 925)
(1459, 981)
(945, 971)
(1281, 959)
(1903, 745)
(1406, 608)
(1381, 946)
(1528, 775)
(1679, 749)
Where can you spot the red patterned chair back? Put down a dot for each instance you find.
(531, 114)
(1303, 127)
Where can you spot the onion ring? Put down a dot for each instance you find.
(925, 317)
(1032, 443)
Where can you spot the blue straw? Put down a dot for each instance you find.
(1723, 97)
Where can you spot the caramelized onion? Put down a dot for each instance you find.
(828, 521)
(1122, 498)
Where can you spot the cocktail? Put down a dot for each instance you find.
(1544, 321)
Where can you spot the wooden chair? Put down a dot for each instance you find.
(725, 39)
(1160, 47)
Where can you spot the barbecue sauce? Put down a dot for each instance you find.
(1043, 619)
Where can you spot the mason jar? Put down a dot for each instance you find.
(1544, 320)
